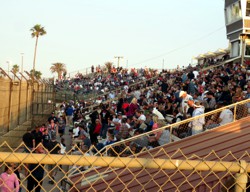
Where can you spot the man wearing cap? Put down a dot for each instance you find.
(186, 98)
(52, 117)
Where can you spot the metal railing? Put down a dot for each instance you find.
(181, 129)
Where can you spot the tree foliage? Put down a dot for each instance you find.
(59, 68)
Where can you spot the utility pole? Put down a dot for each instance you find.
(118, 60)
(163, 64)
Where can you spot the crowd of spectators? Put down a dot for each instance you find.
(106, 84)
(178, 95)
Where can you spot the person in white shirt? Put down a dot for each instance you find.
(140, 116)
(226, 116)
(197, 124)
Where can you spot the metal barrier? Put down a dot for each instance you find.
(182, 129)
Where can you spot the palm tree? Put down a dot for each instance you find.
(37, 31)
(109, 66)
(37, 74)
(58, 68)
(15, 69)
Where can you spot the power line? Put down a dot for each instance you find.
(184, 46)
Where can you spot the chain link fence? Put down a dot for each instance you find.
(126, 166)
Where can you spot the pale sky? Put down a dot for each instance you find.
(82, 33)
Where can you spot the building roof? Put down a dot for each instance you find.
(225, 143)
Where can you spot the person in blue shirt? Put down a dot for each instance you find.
(69, 115)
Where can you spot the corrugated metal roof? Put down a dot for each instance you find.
(229, 142)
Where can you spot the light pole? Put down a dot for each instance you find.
(22, 62)
(118, 60)
(8, 67)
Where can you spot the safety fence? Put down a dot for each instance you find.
(126, 166)
(160, 171)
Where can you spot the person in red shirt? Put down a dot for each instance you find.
(97, 130)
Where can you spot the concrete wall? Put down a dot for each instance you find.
(16, 102)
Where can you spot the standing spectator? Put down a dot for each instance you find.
(35, 178)
(53, 148)
(133, 106)
(197, 124)
(61, 125)
(105, 115)
(184, 104)
(190, 75)
(29, 141)
(69, 115)
(62, 146)
(46, 138)
(191, 87)
(96, 132)
(8, 179)
(52, 128)
(37, 135)
(52, 117)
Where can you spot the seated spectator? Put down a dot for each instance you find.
(84, 150)
(248, 97)
(140, 142)
(140, 116)
(124, 130)
(159, 137)
(211, 101)
(226, 116)
(110, 140)
(82, 136)
(42, 128)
